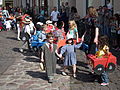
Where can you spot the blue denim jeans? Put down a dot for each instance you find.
(104, 77)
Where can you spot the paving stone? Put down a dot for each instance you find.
(24, 72)
(11, 85)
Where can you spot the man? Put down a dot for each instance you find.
(109, 5)
(55, 15)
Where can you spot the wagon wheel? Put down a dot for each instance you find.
(99, 69)
(111, 67)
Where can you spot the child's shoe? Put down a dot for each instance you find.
(50, 81)
(104, 84)
(64, 74)
(18, 39)
(74, 75)
(21, 50)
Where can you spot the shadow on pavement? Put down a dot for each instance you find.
(58, 71)
(29, 59)
(34, 74)
(26, 52)
(13, 38)
(84, 77)
(82, 64)
(16, 50)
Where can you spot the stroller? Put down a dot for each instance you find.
(35, 43)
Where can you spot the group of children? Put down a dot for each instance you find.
(50, 52)
(6, 23)
(68, 52)
(51, 33)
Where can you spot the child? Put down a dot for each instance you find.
(58, 32)
(50, 26)
(40, 33)
(73, 32)
(7, 24)
(103, 49)
(48, 57)
(70, 55)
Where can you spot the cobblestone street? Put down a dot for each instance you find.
(20, 71)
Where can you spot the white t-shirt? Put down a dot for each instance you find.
(109, 6)
(7, 24)
(54, 15)
(31, 26)
(27, 28)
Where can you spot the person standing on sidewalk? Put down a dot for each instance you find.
(55, 15)
(29, 30)
(49, 58)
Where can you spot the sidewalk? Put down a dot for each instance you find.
(24, 72)
(21, 70)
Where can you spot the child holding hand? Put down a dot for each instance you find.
(49, 58)
(70, 55)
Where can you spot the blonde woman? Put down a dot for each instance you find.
(72, 32)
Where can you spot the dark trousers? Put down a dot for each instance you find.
(92, 48)
(118, 40)
(50, 67)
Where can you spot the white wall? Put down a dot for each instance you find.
(116, 6)
(24, 3)
(81, 7)
(72, 3)
(95, 3)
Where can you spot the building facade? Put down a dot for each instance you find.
(7, 3)
(81, 5)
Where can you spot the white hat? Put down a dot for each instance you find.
(27, 20)
(40, 23)
(48, 22)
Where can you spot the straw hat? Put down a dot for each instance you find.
(48, 22)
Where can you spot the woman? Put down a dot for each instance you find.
(90, 36)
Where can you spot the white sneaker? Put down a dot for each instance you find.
(18, 39)
(21, 50)
(64, 74)
(74, 75)
(104, 84)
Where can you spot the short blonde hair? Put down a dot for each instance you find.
(73, 24)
